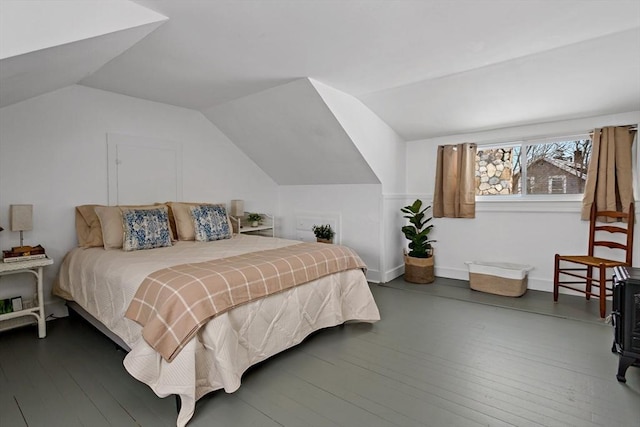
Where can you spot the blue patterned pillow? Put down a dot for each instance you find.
(145, 229)
(210, 222)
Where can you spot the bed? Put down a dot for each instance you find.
(105, 284)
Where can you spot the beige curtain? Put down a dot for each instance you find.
(455, 192)
(609, 176)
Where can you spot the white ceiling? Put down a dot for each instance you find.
(427, 68)
(293, 136)
(46, 45)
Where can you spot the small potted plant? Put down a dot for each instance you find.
(324, 233)
(418, 263)
(254, 219)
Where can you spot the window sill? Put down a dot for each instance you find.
(541, 203)
(529, 204)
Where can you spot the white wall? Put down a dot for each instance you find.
(385, 151)
(520, 232)
(53, 154)
(379, 144)
(357, 206)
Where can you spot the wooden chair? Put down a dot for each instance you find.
(581, 267)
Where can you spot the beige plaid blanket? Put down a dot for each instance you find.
(173, 303)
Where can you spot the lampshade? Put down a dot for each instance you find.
(21, 217)
(237, 208)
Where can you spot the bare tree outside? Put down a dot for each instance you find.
(551, 168)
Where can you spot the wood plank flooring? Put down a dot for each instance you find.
(570, 306)
(430, 361)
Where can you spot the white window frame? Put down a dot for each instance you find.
(530, 202)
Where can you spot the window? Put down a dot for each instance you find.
(550, 166)
(557, 185)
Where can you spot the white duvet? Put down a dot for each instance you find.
(103, 282)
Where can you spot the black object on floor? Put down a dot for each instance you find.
(626, 319)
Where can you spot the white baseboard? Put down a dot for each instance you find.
(452, 273)
(533, 283)
(540, 284)
(389, 275)
(373, 276)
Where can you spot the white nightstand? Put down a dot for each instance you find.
(267, 228)
(34, 267)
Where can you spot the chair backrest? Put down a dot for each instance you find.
(601, 231)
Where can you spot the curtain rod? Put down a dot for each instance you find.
(631, 128)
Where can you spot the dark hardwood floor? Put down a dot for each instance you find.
(433, 360)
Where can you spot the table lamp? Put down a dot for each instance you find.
(237, 210)
(21, 219)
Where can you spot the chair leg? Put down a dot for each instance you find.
(556, 278)
(603, 290)
(588, 283)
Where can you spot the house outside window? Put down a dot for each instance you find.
(550, 166)
(557, 185)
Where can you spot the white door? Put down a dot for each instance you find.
(143, 170)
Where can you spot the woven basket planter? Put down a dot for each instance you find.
(419, 270)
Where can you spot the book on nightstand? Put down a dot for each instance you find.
(10, 305)
(23, 253)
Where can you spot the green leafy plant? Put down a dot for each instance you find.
(418, 232)
(252, 217)
(323, 231)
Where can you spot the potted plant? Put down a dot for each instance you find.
(418, 263)
(254, 219)
(324, 233)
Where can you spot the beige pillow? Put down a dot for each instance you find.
(180, 214)
(183, 220)
(172, 220)
(88, 227)
(111, 223)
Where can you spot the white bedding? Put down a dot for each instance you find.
(104, 282)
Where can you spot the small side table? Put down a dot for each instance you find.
(34, 267)
(267, 228)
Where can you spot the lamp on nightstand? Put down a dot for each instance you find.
(21, 219)
(237, 211)
(237, 208)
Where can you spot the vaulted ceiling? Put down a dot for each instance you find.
(426, 68)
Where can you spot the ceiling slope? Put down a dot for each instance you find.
(291, 134)
(382, 148)
(48, 45)
(426, 68)
(592, 78)
(216, 51)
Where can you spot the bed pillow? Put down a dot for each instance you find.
(145, 229)
(183, 219)
(180, 219)
(210, 222)
(88, 228)
(111, 223)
